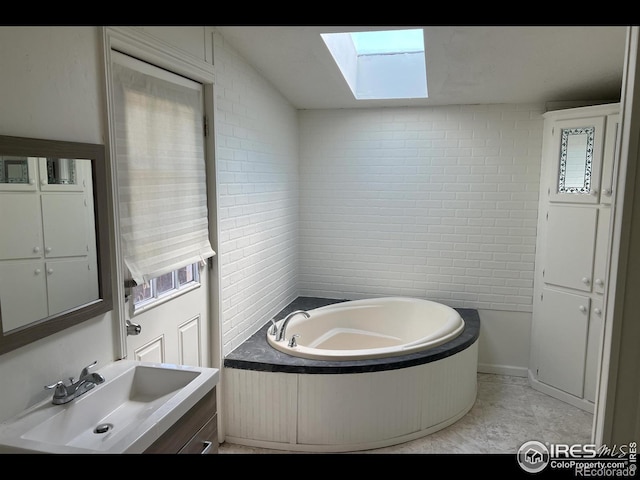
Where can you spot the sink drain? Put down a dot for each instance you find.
(103, 428)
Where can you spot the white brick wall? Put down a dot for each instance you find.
(437, 203)
(257, 170)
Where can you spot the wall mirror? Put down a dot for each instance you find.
(54, 240)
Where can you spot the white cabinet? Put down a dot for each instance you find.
(23, 292)
(610, 148)
(577, 145)
(48, 258)
(576, 194)
(564, 326)
(571, 238)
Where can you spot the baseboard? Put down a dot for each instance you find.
(503, 370)
(581, 403)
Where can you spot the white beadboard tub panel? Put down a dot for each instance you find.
(357, 408)
(449, 387)
(348, 412)
(260, 406)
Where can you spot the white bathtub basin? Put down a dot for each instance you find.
(370, 328)
(135, 405)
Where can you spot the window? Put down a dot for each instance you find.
(381, 64)
(161, 175)
(165, 287)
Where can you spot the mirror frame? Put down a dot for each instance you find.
(32, 147)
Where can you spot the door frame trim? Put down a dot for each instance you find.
(137, 43)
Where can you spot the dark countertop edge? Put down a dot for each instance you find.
(256, 353)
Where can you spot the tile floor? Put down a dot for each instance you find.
(507, 413)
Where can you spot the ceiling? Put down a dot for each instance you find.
(465, 65)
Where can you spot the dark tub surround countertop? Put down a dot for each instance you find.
(257, 354)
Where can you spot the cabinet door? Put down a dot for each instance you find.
(602, 249)
(23, 293)
(594, 340)
(68, 284)
(62, 174)
(609, 157)
(577, 148)
(569, 249)
(18, 173)
(562, 326)
(21, 226)
(64, 221)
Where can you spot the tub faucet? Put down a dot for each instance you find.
(280, 332)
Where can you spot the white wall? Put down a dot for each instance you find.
(437, 203)
(51, 87)
(257, 168)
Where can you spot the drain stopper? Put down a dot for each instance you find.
(102, 428)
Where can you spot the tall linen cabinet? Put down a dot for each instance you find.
(576, 196)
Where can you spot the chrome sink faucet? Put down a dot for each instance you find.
(65, 393)
(280, 332)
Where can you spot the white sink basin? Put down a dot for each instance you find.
(135, 405)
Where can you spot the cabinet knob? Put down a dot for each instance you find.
(49, 271)
(48, 249)
(606, 191)
(582, 308)
(37, 271)
(597, 311)
(585, 280)
(36, 249)
(594, 192)
(599, 282)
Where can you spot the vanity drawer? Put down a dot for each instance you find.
(205, 441)
(191, 430)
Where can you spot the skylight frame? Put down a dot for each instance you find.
(394, 67)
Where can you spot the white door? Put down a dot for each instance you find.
(171, 323)
(175, 331)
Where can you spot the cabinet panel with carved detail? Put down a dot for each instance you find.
(577, 190)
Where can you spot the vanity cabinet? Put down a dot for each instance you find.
(48, 261)
(576, 194)
(196, 432)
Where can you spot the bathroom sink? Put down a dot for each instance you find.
(135, 405)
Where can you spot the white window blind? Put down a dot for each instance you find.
(160, 168)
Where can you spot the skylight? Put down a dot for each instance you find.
(381, 64)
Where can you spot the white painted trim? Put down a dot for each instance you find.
(617, 415)
(503, 370)
(137, 43)
(213, 195)
(580, 403)
(582, 112)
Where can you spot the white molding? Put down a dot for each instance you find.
(503, 370)
(585, 111)
(135, 42)
(617, 415)
(580, 403)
